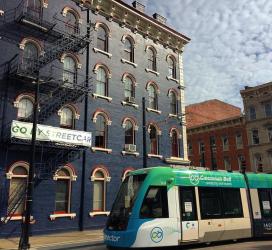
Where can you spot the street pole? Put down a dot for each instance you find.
(144, 134)
(24, 240)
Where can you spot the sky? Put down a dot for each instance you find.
(231, 44)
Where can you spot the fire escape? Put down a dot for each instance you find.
(55, 92)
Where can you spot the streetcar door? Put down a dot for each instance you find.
(188, 214)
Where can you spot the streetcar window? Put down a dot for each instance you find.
(155, 204)
(210, 203)
(232, 203)
(187, 203)
(265, 202)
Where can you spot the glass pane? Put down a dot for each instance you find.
(98, 197)
(20, 171)
(187, 203)
(175, 146)
(25, 108)
(232, 203)
(265, 202)
(99, 174)
(67, 117)
(62, 196)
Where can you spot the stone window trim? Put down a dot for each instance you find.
(67, 9)
(104, 26)
(152, 71)
(74, 109)
(132, 120)
(34, 41)
(125, 172)
(10, 175)
(124, 103)
(155, 85)
(158, 129)
(104, 170)
(174, 128)
(71, 170)
(93, 214)
(95, 96)
(135, 65)
(154, 110)
(96, 50)
(172, 79)
(2, 12)
(18, 98)
(104, 114)
(73, 56)
(136, 154)
(52, 217)
(16, 218)
(155, 156)
(106, 150)
(132, 78)
(100, 65)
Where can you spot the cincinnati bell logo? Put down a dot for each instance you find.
(156, 234)
(194, 179)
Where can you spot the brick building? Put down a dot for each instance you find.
(93, 62)
(216, 135)
(258, 115)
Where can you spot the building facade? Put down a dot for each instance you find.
(217, 136)
(91, 63)
(258, 114)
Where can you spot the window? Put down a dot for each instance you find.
(255, 136)
(225, 142)
(129, 89)
(239, 141)
(202, 162)
(173, 103)
(30, 56)
(153, 136)
(71, 23)
(101, 82)
(265, 198)
(172, 71)
(155, 204)
(129, 133)
(34, 8)
(151, 54)
(129, 50)
(190, 149)
(99, 191)
(101, 132)
(213, 144)
(187, 203)
(241, 161)
(102, 39)
(268, 109)
(69, 70)
(269, 130)
(258, 162)
(17, 190)
(232, 204)
(67, 118)
(252, 113)
(25, 108)
(227, 163)
(201, 147)
(152, 97)
(175, 144)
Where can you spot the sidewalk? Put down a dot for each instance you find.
(54, 240)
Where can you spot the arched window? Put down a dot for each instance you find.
(102, 39)
(25, 108)
(129, 50)
(152, 62)
(172, 71)
(67, 118)
(99, 191)
(69, 70)
(101, 132)
(101, 82)
(153, 143)
(30, 56)
(63, 189)
(129, 89)
(129, 133)
(34, 8)
(175, 144)
(173, 103)
(71, 23)
(17, 191)
(152, 96)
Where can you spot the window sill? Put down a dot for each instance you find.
(136, 154)
(107, 150)
(92, 214)
(176, 160)
(102, 52)
(124, 103)
(16, 218)
(172, 79)
(153, 110)
(129, 62)
(69, 215)
(152, 71)
(154, 156)
(172, 116)
(109, 99)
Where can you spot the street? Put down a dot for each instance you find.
(242, 245)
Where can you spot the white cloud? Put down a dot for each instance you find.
(231, 44)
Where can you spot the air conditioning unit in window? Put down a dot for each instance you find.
(130, 147)
(130, 99)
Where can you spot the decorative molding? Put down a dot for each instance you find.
(177, 160)
(124, 103)
(155, 156)
(69, 215)
(92, 214)
(135, 65)
(172, 79)
(152, 71)
(71, 170)
(15, 218)
(109, 99)
(136, 154)
(72, 55)
(153, 110)
(107, 150)
(96, 50)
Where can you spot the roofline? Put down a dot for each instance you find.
(249, 89)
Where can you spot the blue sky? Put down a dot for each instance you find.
(231, 44)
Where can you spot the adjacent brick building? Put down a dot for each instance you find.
(216, 135)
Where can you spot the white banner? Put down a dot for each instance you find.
(23, 130)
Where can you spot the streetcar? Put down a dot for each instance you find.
(165, 206)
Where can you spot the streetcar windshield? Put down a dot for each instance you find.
(123, 204)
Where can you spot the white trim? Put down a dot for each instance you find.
(172, 79)
(124, 103)
(176, 160)
(153, 110)
(92, 214)
(155, 156)
(54, 216)
(130, 153)
(109, 99)
(96, 50)
(108, 150)
(135, 65)
(2, 12)
(152, 71)
(15, 218)
(172, 116)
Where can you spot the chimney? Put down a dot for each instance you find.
(159, 18)
(138, 6)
